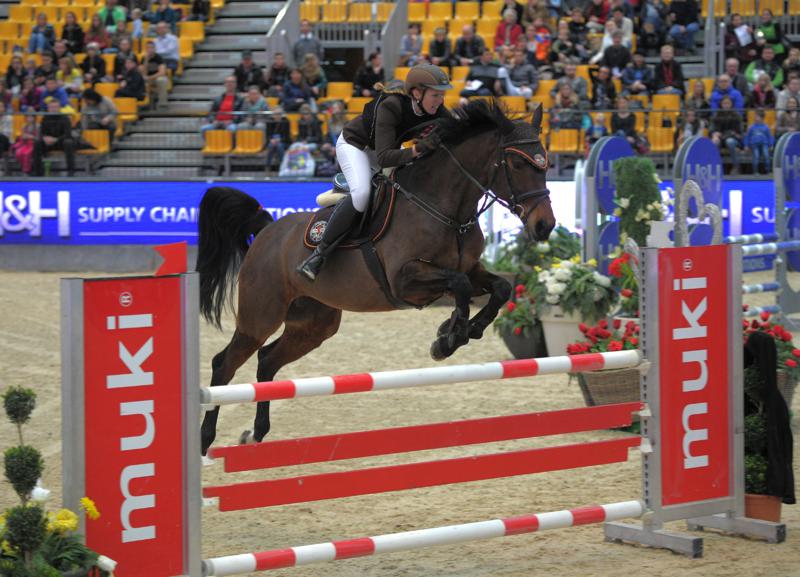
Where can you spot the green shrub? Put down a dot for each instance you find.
(26, 528)
(23, 467)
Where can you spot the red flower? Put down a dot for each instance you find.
(571, 349)
(603, 333)
(796, 353)
(603, 324)
(517, 330)
(634, 341)
(583, 328)
(630, 326)
(615, 346)
(786, 337)
(754, 324)
(511, 306)
(791, 363)
(626, 293)
(520, 288)
(764, 316)
(745, 307)
(615, 268)
(617, 323)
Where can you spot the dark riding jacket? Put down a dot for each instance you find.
(392, 117)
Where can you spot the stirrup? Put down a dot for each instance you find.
(310, 267)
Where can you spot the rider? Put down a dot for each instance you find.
(374, 135)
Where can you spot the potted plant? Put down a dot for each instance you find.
(788, 354)
(519, 257)
(637, 197)
(611, 385)
(566, 294)
(624, 278)
(34, 542)
(519, 328)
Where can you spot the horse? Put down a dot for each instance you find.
(432, 248)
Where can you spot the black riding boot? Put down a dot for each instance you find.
(339, 224)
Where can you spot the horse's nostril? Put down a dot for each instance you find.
(543, 229)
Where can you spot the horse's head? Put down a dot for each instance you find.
(521, 181)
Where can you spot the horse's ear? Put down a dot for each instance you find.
(536, 121)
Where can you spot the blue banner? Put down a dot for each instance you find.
(93, 212)
(600, 165)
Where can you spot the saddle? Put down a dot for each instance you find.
(374, 223)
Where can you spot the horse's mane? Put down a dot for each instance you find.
(476, 117)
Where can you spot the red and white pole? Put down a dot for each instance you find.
(408, 540)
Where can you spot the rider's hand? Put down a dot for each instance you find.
(428, 144)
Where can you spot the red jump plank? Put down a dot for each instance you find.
(303, 489)
(422, 437)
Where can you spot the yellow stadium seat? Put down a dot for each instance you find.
(334, 12)
(185, 48)
(249, 142)
(340, 91)
(218, 142)
(361, 12)
(515, 104)
(85, 3)
(607, 121)
(666, 101)
(357, 103)
(440, 10)
(17, 123)
(467, 10)
(20, 14)
(127, 109)
(194, 30)
(294, 124)
(400, 72)
(57, 3)
(640, 121)
(491, 9)
(486, 29)
(744, 7)
(564, 141)
(309, 12)
(720, 8)
(97, 138)
(643, 98)
(106, 89)
(385, 10)
(9, 30)
(776, 6)
(431, 24)
(460, 72)
(52, 13)
(417, 11)
(662, 139)
(769, 117)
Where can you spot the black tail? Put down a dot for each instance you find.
(229, 219)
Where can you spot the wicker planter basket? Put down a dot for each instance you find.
(786, 385)
(609, 387)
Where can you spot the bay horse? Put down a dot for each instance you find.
(432, 248)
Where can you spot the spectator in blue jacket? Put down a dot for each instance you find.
(164, 13)
(52, 89)
(43, 35)
(637, 78)
(759, 140)
(296, 92)
(724, 88)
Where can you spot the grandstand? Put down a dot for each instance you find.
(167, 142)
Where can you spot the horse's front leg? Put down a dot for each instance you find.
(499, 290)
(421, 278)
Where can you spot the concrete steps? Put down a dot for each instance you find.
(203, 76)
(241, 25)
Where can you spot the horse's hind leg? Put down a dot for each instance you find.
(499, 290)
(308, 324)
(224, 366)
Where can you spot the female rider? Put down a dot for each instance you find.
(374, 134)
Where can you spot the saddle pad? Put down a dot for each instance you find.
(375, 227)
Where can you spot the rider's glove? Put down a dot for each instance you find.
(428, 144)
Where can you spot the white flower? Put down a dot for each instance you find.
(563, 274)
(544, 276)
(39, 493)
(543, 247)
(552, 299)
(106, 564)
(567, 264)
(598, 294)
(556, 288)
(601, 279)
(624, 202)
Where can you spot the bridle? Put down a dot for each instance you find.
(514, 204)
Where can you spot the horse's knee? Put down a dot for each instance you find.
(501, 289)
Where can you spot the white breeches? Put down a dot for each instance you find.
(357, 168)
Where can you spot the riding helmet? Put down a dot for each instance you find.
(427, 76)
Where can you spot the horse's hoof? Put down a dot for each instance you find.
(476, 331)
(246, 438)
(443, 329)
(437, 354)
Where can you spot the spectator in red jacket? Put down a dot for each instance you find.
(508, 30)
(596, 15)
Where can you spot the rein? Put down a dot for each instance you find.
(514, 204)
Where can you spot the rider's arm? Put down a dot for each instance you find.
(388, 118)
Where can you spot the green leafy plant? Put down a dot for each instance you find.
(576, 287)
(755, 435)
(638, 198)
(621, 271)
(519, 314)
(34, 543)
(522, 255)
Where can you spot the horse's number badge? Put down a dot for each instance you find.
(316, 232)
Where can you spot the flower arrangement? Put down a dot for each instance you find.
(33, 542)
(638, 198)
(523, 255)
(518, 316)
(575, 286)
(788, 355)
(621, 271)
(604, 337)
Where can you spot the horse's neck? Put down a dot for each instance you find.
(439, 180)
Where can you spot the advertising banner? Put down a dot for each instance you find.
(133, 414)
(698, 159)
(694, 373)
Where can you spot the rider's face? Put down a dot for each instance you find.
(432, 100)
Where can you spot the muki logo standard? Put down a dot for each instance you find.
(24, 213)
